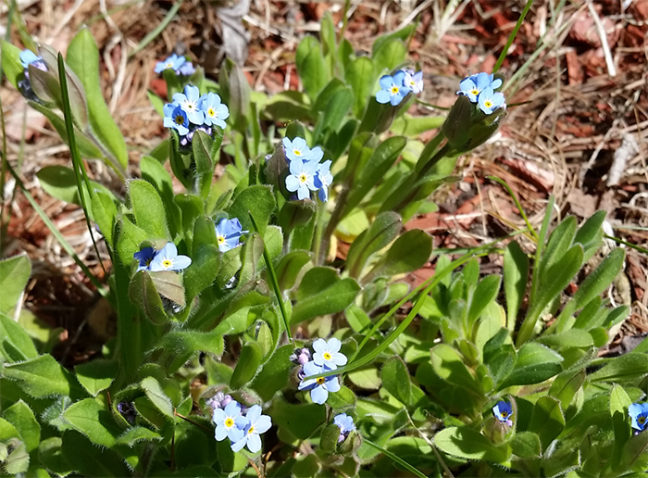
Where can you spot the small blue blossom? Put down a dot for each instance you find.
(503, 411)
(225, 421)
(302, 177)
(252, 425)
(298, 149)
(145, 256)
(172, 62)
(176, 118)
(215, 112)
(323, 180)
(319, 387)
(393, 90)
(188, 101)
(414, 81)
(345, 424)
(167, 259)
(228, 234)
(639, 415)
(490, 100)
(327, 354)
(473, 85)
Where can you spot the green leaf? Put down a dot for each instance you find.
(630, 366)
(157, 396)
(322, 292)
(535, 363)
(93, 420)
(464, 442)
(396, 380)
(148, 209)
(408, 253)
(22, 417)
(516, 273)
(15, 344)
(11, 66)
(97, 375)
(382, 231)
(256, 200)
(144, 295)
(83, 58)
(247, 365)
(311, 66)
(40, 377)
(14, 274)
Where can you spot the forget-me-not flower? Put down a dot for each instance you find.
(414, 81)
(323, 180)
(302, 177)
(188, 101)
(639, 415)
(327, 353)
(252, 425)
(319, 387)
(503, 411)
(345, 424)
(393, 89)
(225, 421)
(215, 112)
(167, 259)
(175, 117)
(490, 100)
(228, 234)
(145, 256)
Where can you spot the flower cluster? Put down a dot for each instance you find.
(480, 89)
(639, 415)
(166, 259)
(503, 411)
(240, 426)
(28, 57)
(345, 424)
(306, 172)
(397, 86)
(228, 234)
(190, 112)
(326, 357)
(179, 64)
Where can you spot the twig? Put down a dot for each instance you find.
(603, 35)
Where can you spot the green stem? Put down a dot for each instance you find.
(512, 36)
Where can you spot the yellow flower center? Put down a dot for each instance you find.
(320, 380)
(229, 422)
(166, 263)
(211, 112)
(327, 356)
(394, 90)
(303, 178)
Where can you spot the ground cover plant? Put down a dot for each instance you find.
(246, 345)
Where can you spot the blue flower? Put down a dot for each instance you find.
(252, 425)
(172, 62)
(327, 353)
(639, 415)
(319, 387)
(302, 177)
(490, 100)
(175, 117)
(225, 421)
(345, 424)
(323, 179)
(145, 256)
(167, 259)
(188, 101)
(298, 149)
(228, 234)
(414, 81)
(473, 85)
(393, 90)
(503, 411)
(215, 112)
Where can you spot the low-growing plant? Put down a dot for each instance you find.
(246, 345)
